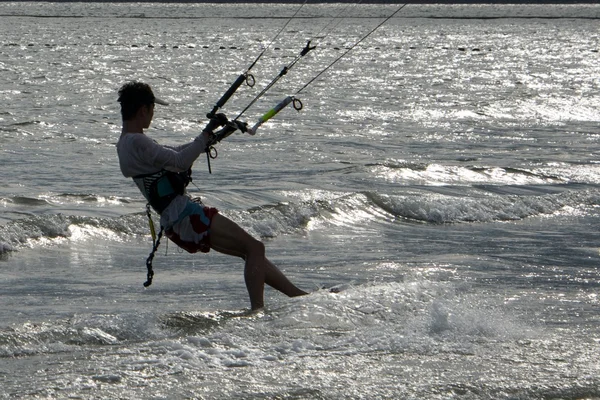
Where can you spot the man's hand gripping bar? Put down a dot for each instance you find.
(228, 127)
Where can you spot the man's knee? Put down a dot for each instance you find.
(257, 247)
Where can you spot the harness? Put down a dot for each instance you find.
(160, 188)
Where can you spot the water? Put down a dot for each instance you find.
(444, 175)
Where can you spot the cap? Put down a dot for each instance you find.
(136, 93)
(160, 101)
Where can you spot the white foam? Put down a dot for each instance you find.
(86, 231)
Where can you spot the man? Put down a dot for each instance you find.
(161, 174)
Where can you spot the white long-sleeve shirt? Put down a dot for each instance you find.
(140, 155)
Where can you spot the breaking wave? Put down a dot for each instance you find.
(445, 208)
(327, 210)
(423, 311)
(402, 172)
(36, 230)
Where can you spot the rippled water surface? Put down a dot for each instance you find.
(444, 176)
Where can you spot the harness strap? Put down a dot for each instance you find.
(161, 187)
(155, 244)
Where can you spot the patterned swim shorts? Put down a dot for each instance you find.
(192, 231)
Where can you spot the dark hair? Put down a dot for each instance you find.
(132, 96)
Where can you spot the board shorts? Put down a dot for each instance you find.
(192, 231)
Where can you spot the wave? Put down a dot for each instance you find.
(388, 324)
(322, 210)
(487, 207)
(85, 198)
(419, 204)
(64, 335)
(36, 230)
(431, 308)
(412, 173)
(62, 198)
(23, 200)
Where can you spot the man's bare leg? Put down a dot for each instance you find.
(229, 238)
(277, 280)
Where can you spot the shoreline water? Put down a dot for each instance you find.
(444, 176)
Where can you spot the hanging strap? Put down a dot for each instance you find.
(155, 244)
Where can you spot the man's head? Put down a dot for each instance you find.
(135, 95)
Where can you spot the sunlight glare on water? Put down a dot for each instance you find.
(438, 195)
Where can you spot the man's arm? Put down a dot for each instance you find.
(177, 159)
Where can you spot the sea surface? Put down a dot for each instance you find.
(443, 176)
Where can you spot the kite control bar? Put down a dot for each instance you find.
(228, 127)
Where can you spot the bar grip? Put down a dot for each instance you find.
(234, 86)
(271, 113)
